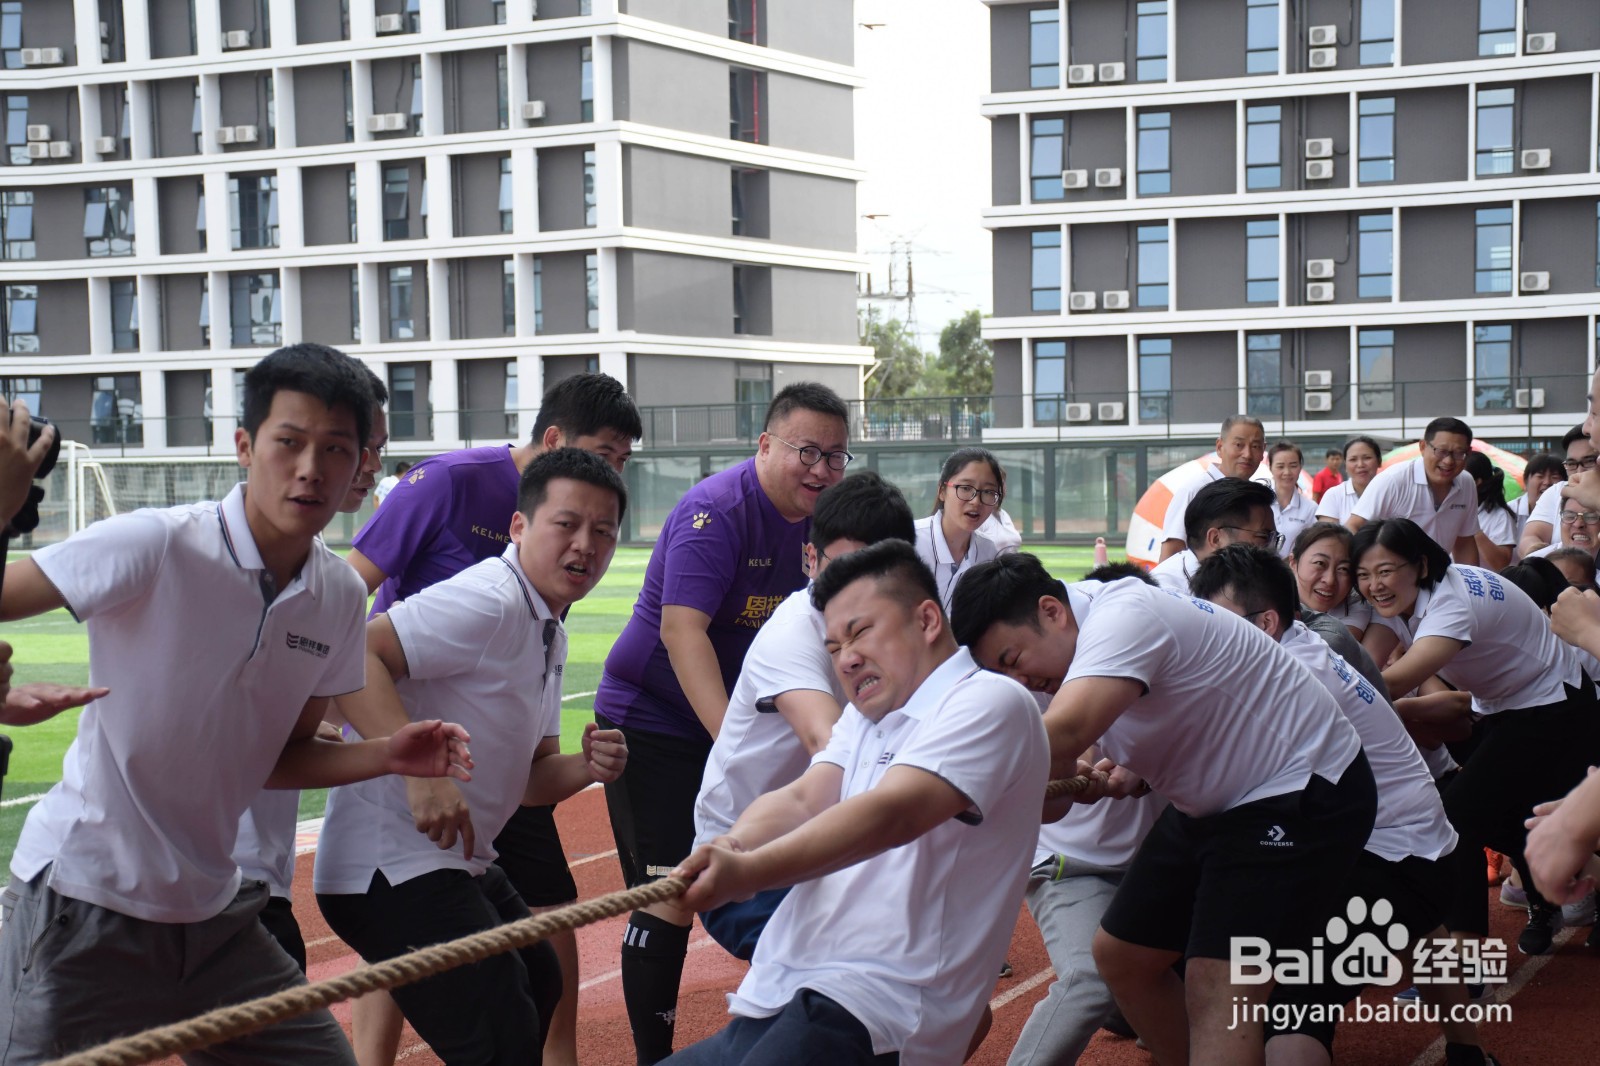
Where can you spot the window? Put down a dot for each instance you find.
(1261, 37)
(746, 93)
(396, 203)
(402, 326)
(1261, 261)
(1046, 269)
(17, 130)
(1049, 381)
(1597, 247)
(269, 135)
(124, 315)
(349, 104)
(21, 319)
(1155, 152)
(507, 196)
(253, 205)
(413, 16)
(1491, 368)
(589, 211)
(1048, 158)
(416, 97)
(750, 195)
(1496, 110)
(1375, 364)
(28, 390)
(200, 213)
(108, 221)
(1044, 48)
(11, 33)
(16, 224)
(355, 304)
(585, 84)
(350, 185)
(1377, 33)
(508, 298)
(197, 120)
(538, 294)
(744, 21)
(1493, 272)
(741, 309)
(1263, 370)
(591, 290)
(1497, 27)
(257, 307)
(1152, 267)
(512, 398)
(205, 322)
(1155, 379)
(752, 393)
(1375, 134)
(502, 92)
(422, 205)
(1375, 256)
(1150, 55)
(1263, 147)
(405, 403)
(115, 414)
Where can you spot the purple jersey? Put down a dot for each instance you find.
(724, 550)
(446, 514)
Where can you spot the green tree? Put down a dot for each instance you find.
(965, 363)
(899, 365)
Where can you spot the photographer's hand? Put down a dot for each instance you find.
(18, 462)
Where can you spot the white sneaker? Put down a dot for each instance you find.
(1579, 913)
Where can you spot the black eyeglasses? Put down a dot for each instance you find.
(1262, 537)
(1576, 466)
(968, 493)
(811, 455)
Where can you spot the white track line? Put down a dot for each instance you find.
(20, 800)
(577, 696)
(593, 858)
(1022, 989)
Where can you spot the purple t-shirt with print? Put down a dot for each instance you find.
(724, 550)
(446, 514)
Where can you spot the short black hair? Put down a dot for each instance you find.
(1331, 452)
(1446, 424)
(1491, 482)
(1253, 577)
(1541, 579)
(380, 391)
(1004, 590)
(1585, 561)
(862, 507)
(1571, 437)
(402, 466)
(316, 370)
(1319, 531)
(1406, 539)
(894, 564)
(806, 396)
(959, 460)
(1286, 446)
(585, 404)
(1226, 500)
(1543, 463)
(1117, 571)
(575, 464)
(1241, 420)
(1377, 451)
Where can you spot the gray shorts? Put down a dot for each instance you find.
(74, 975)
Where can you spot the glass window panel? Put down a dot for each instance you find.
(1046, 270)
(1376, 139)
(1044, 48)
(1375, 256)
(1375, 364)
(1152, 271)
(1261, 262)
(1497, 27)
(1493, 250)
(1492, 384)
(1151, 43)
(1048, 158)
(1264, 373)
(1261, 37)
(1377, 33)
(1496, 111)
(1155, 378)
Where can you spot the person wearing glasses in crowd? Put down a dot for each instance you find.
(1580, 530)
(1544, 524)
(950, 540)
(1291, 511)
(729, 553)
(1229, 511)
(1433, 490)
(1362, 458)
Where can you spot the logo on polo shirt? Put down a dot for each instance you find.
(1277, 837)
(701, 520)
(757, 609)
(886, 758)
(307, 645)
(416, 477)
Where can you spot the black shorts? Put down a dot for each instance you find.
(529, 850)
(652, 803)
(278, 917)
(1267, 869)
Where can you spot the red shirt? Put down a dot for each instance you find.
(1326, 479)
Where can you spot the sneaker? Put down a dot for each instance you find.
(1512, 895)
(1544, 920)
(1006, 970)
(1476, 993)
(1409, 995)
(1579, 913)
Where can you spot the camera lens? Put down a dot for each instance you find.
(50, 458)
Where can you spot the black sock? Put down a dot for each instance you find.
(653, 951)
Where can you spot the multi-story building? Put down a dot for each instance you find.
(477, 197)
(1340, 215)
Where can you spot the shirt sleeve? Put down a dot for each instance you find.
(790, 659)
(1499, 526)
(976, 741)
(837, 751)
(109, 563)
(1448, 614)
(1374, 503)
(702, 558)
(447, 628)
(1548, 509)
(1172, 523)
(347, 664)
(1129, 641)
(399, 530)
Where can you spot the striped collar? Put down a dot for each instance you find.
(530, 595)
(241, 545)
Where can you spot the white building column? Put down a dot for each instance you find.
(289, 295)
(99, 316)
(444, 396)
(153, 402)
(224, 416)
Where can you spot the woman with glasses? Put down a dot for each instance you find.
(1497, 522)
(1362, 458)
(1291, 511)
(1538, 722)
(948, 540)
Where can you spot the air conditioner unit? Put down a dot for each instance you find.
(60, 149)
(1081, 74)
(1323, 58)
(1074, 179)
(236, 39)
(1079, 412)
(533, 110)
(40, 132)
(1080, 301)
(387, 122)
(1535, 159)
(1318, 401)
(1108, 178)
(1114, 299)
(105, 145)
(1530, 398)
(225, 135)
(38, 150)
(1322, 36)
(1319, 170)
(1319, 148)
(1319, 292)
(1110, 411)
(1113, 71)
(1321, 269)
(388, 24)
(246, 134)
(1534, 281)
(1319, 379)
(42, 57)
(1539, 44)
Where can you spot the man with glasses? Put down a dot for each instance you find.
(1544, 528)
(1434, 490)
(1229, 511)
(728, 554)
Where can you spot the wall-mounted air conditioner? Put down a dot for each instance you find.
(39, 132)
(1319, 379)
(387, 122)
(1538, 44)
(1318, 402)
(1535, 158)
(1323, 58)
(1319, 170)
(388, 24)
(1081, 74)
(1114, 299)
(1074, 179)
(105, 145)
(1533, 398)
(1113, 71)
(1110, 411)
(1108, 177)
(1534, 281)
(1078, 412)
(1319, 292)
(60, 149)
(1322, 36)
(43, 57)
(1319, 269)
(236, 39)
(1081, 301)
(1319, 147)
(533, 110)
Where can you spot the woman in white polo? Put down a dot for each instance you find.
(1362, 458)
(949, 540)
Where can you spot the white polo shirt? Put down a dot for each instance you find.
(1510, 658)
(475, 654)
(1172, 527)
(1410, 818)
(1548, 509)
(1499, 525)
(1107, 833)
(1338, 502)
(756, 751)
(1290, 520)
(909, 941)
(1228, 716)
(933, 550)
(1176, 571)
(1000, 529)
(207, 681)
(1354, 612)
(1402, 491)
(264, 850)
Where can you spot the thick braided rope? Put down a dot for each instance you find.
(227, 1023)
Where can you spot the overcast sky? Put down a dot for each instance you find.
(925, 150)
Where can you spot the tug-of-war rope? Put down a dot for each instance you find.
(228, 1023)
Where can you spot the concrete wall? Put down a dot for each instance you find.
(244, 103)
(59, 109)
(1554, 114)
(186, 404)
(555, 9)
(562, 283)
(463, 13)
(1210, 39)
(113, 113)
(1210, 265)
(325, 198)
(1101, 32)
(173, 103)
(1572, 21)
(477, 193)
(1203, 138)
(677, 294)
(317, 22)
(1101, 257)
(319, 104)
(178, 201)
(325, 309)
(1005, 157)
(483, 398)
(560, 188)
(391, 91)
(1325, 235)
(1203, 365)
(477, 306)
(813, 211)
(807, 115)
(1434, 353)
(824, 29)
(63, 321)
(1438, 252)
(1008, 46)
(681, 90)
(169, 27)
(1098, 139)
(58, 222)
(1438, 31)
(1342, 13)
(1553, 239)
(1007, 382)
(1552, 355)
(555, 76)
(1430, 132)
(66, 400)
(245, 15)
(180, 312)
(672, 191)
(817, 306)
(1013, 272)
(1323, 349)
(706, 16)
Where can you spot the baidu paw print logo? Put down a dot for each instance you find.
(1370, 956)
